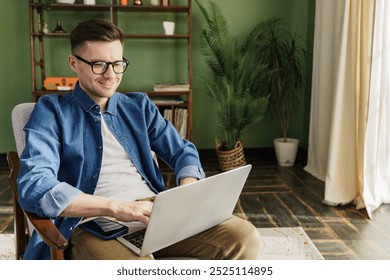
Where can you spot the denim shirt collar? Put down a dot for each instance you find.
(88, 103)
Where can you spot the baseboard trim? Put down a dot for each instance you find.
(267, 152)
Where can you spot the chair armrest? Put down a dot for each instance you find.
(48, 231)
(50, 235)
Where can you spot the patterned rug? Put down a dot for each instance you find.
(288, 243)
(277, 244)
(7, 247)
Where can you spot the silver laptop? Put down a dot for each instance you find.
(184, 211)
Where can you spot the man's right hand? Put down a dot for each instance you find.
(132, 211)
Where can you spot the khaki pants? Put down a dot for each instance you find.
(234, 239)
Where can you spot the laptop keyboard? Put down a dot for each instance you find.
(136, 238)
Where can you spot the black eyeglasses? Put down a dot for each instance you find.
(101, 67)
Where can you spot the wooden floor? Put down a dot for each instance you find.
(286, 197)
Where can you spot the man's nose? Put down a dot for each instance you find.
(110, 71)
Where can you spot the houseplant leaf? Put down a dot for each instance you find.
(238, 84)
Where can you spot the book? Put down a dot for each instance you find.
(171, 87)
(164, 100)
(178, 117)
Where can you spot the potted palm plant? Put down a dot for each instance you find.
(285, 55)
(238, 84)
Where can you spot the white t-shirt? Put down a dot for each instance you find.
(119, 178)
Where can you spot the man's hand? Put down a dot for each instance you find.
(132, 211)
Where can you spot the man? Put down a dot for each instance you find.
(88, 153)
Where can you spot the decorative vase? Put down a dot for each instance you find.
(59, 28)
(230, 159)
(286, 152)
(45, 29)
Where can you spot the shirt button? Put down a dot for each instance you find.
(95, 176)
(100, 147)
(96, 119)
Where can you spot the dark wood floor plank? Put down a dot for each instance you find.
(302, 175)
(330, 246)
(334, 247)
(6, 223)
(381, 219)
(304, 215)
(278, 211)
(255, 212)
(288, 177)
(364, 249)
(374, 234)
(260, 183)
(312, 201)
(265, 189)
(338, 257)
(5, 189)
(317, 187)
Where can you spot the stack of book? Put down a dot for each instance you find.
(171, 87)
(178, 117)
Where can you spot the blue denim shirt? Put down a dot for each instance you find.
(64, 146)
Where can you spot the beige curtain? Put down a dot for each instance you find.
(341, 83)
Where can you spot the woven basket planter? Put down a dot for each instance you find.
(231, 159)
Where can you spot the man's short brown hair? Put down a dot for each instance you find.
(94, 30)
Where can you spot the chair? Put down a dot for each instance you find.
(25, 222)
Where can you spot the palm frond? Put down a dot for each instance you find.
(284, 54)
(239, 84)
(214, 38)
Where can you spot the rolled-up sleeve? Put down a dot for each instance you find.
(56, 200)
(192, 171)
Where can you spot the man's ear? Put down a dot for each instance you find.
(72, 63)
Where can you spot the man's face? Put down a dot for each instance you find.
(98, 87)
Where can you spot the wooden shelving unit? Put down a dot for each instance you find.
(38, 8)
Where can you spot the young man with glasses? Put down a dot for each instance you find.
(88, 153)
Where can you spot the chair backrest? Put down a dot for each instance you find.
(20, 115)
(23, 228)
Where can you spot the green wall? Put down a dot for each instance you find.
(15, 86)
